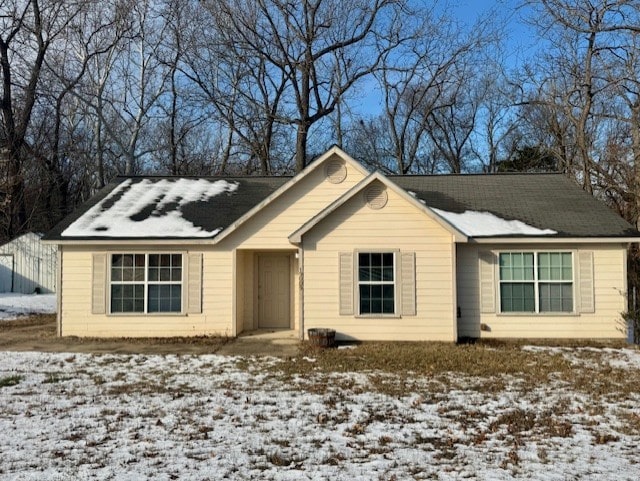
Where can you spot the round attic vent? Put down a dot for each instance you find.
(335, 171)
(375, 196)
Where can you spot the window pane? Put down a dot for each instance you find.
(176, 260)
(138, 274)
(376, 277)
(165, 274)
(364, 272)
(517, 266)
(365, 299)
(154, 260)
(505, 266)
(116, 274)
(517, 297)
(127, 298)
(555, 266)
(176, 274)
(556, 297)
(388, 306)
(154, 274)
(387, 274)
(164, 298)
(116, 260)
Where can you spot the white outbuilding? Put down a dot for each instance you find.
(27, 265)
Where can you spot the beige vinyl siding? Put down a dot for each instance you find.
(609, 287)
(399, 227)
(78, 320)
(271, 227)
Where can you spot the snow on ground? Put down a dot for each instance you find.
(475, 224)
(136, 417)
(14, 305)
(116, 214)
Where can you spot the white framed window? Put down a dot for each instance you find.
(146, 283)
(376, 283)
(536, 282)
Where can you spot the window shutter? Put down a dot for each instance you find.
(346, 283)
(194, 284)
(408, 283)
(98, 282)
(487, 282)
(585, 273)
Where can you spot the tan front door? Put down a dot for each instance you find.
(274, 290)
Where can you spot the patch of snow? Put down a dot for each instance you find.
(130, 417)
(131, 198)
(475, 224)
(14, 305)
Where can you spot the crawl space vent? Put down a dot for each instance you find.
(375, 196)
(335, 171)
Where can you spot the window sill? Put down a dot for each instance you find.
(147, 314)
(377, 316)
(538, 314)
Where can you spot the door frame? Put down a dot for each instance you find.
(256, 277)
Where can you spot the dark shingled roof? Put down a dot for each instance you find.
(544, 201)
(218, 212)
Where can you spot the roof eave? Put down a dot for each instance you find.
(553, 240)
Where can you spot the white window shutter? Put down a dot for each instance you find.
(98, 284)
(487, 282)
(408, 283)
(585, 274)
(194, 284)
(346, 283)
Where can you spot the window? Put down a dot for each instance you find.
(376, 282)
(536, 282)
(146, 283)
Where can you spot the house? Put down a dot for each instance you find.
(27, 265)
(372, 256)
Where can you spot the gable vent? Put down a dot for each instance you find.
(335, 171)
(375, 196)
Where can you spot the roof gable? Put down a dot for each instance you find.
(296, 237)
(316, 164)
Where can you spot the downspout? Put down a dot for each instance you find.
(301, 288)
(59, 291)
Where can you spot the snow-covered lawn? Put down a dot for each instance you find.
(14, 305)
(134, 417)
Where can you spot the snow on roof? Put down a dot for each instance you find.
(477, 224)
(148, 209)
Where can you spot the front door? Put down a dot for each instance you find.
(274, 291)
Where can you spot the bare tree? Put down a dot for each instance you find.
(322, 48)
(27, 31)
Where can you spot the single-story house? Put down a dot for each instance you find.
(27, 265)
(373, 256)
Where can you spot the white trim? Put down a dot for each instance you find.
(536, 282)
(397, 309)
(553, 240)
(145, 283)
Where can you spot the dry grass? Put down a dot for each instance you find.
(483, 366)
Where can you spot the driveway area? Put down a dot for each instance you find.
(38, 333)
